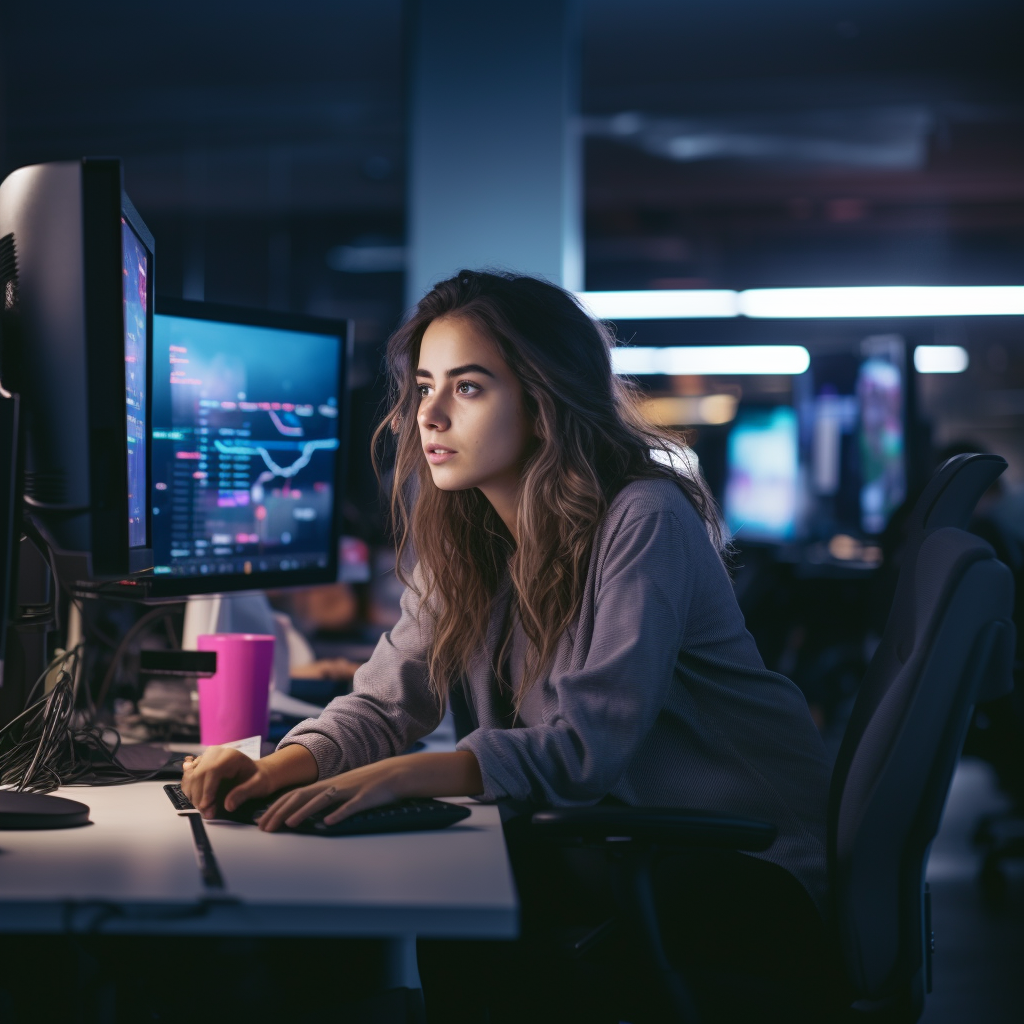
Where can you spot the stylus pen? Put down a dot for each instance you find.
(212, 878)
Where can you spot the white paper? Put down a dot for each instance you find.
(250, 746)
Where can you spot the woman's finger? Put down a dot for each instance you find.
(247, 790)
(208, 776)
(274, 816)
(359, 802)
(202, 778)
(325, 798)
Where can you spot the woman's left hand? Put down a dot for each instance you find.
(357, 790)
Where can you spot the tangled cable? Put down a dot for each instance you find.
(51, 744)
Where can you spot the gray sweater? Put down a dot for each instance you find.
(657, 695)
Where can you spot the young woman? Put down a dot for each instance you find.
(568, 595)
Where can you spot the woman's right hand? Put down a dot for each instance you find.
(223, 777)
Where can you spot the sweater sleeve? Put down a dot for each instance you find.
(605, 708)
(390, 706)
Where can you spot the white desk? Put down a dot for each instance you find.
(134, 871)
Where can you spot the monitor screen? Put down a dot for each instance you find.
(853, 415)
(248, 421)
(883, 477)
(762, 488)
(135, 261)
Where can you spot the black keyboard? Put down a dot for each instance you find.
(180, 801)
(413, 815)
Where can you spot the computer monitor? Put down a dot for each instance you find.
(250, 418)
(853, 413)
(833, 462)
(763, 479)
(76, 280)
(883, 485)
(76, 272)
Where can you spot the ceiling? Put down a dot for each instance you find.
(732, 144)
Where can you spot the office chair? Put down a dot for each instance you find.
(1000, 835)
(948, 642)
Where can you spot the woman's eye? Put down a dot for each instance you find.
(423, 389)
(466, 387)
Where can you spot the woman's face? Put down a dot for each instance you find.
(474, 428)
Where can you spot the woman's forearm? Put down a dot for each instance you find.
(290, 766)
(447, 774)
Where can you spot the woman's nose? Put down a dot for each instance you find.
(432, 415)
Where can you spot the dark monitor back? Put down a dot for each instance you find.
(76, 269)
(249, 431)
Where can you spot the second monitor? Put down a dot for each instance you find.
(249, 429)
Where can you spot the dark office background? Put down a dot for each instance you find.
(733, 144)
(736, 144)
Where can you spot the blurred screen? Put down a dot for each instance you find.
(854, 438)
(135, 266)
(246, 428)
(762, 487)
(883, 479)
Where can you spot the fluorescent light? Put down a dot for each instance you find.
(828, 303)
(697, 304)
(723, 360)
(807, 303)
(940, 359)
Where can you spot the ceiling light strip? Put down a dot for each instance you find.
(710, 360)
(807, 303)
(940, 359)
(696, 304)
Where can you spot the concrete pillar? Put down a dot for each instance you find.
(495, 174)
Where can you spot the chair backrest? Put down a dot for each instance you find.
(948, 641)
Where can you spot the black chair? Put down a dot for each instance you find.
(948, 642)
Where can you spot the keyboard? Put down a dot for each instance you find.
(414, 815)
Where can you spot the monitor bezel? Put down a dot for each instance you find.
(141, 556)
(104, 204)
(168, 586)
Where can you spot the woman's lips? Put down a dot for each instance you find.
(436, 454)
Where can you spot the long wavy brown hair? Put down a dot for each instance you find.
(591, 440)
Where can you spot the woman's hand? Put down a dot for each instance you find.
(225, 777)
(395, 778)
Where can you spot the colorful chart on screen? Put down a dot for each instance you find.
(246, 431)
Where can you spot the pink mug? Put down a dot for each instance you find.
(234, 703)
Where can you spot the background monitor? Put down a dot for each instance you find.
(853, 414)
(832, 462)
(249, 430)
(762, 487)
(76, 263)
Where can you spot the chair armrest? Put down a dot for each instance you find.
(669, 826)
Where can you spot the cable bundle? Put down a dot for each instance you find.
(50, 744)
